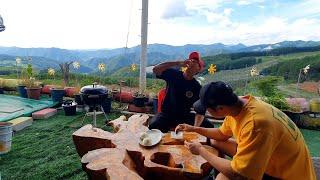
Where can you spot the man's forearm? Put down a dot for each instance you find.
(198, 120)
(220, 164)
(158, 69)
(212, 133)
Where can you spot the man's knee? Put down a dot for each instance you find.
(220, 176)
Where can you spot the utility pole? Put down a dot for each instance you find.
(143, 54)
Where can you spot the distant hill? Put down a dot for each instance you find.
(121, 57)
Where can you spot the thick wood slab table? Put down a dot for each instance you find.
(118, 155)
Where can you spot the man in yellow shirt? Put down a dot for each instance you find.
(265, 143)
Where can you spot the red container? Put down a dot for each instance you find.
(70, 91)
(161, 96)
(47, 89)
(126, 97)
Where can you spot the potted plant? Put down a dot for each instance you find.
(33, 90)
(270, 94)
(23, 84)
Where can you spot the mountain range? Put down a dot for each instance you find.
(121, 57)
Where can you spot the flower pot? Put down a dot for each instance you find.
(106, 105)
(70, 108)
(22, 91)
(124, 97)
(47, 89)
(70, 91)
(57, 95)
(34, 93)
(139, 101)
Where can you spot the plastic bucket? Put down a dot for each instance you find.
(106, 105)
(57, 95)
(70, 110)
(5, 137)
(315, 105)
(22, 91)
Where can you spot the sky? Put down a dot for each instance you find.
(97, 24)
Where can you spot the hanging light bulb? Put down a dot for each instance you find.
(2, 27)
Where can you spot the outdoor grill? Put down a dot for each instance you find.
(93, 96)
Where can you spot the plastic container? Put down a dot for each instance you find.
(70, 108)
(5, 137)
(22, 91)
(315, 105)
(57, 95)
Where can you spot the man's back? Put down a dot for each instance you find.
(268, 142)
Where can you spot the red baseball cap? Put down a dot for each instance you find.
(195, 55)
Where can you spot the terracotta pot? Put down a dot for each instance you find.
(126, 97)
(34, 93)
(47, 89)
(70, 91)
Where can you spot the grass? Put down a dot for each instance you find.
(46, 151)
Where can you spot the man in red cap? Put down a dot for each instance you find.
(182, 90)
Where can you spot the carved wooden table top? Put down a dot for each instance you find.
(119, 155)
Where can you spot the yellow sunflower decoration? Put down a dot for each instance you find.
(76, 65)
(133, 67)
(51, 72)
(212, 69)
(101, 67)
(183, 69)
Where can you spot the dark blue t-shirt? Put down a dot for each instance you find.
(180, 93)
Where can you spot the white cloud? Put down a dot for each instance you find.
(104, 24)
(248, 2)
(227, 11)
(175, 9)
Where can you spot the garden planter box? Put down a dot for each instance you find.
(47, 89)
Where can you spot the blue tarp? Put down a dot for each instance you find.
(13, 106)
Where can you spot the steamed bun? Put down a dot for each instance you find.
(146, 141)
(143, 135)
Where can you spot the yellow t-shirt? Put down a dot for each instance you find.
(268, 142)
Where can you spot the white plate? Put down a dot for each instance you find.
(155, 135)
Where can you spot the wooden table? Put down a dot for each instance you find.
(118, 155)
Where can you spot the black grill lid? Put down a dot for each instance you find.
(94, 89)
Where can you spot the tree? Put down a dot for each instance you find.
(65, 69)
